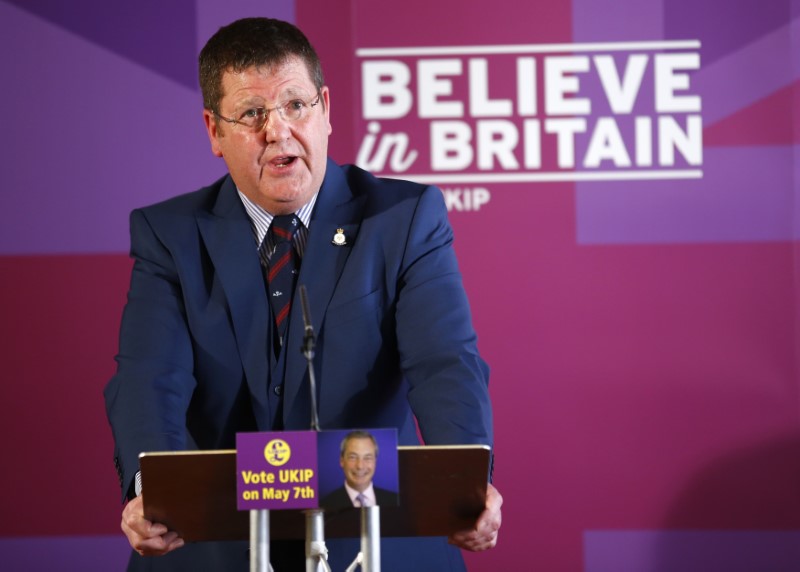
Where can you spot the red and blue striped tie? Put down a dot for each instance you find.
(282, 272)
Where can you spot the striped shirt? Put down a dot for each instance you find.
(261, 219)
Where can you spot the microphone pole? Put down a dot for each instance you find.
(316, 551)
(309, 340)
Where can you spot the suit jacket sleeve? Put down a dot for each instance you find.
(437, 343)
(146, 401)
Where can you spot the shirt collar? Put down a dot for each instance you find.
(369, 493)
(261, 219)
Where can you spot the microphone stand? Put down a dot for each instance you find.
(309, 341)
(316, 552)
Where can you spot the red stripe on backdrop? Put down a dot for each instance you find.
(60, 319)
(766, 122)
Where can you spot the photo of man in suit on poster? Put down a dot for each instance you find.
(358, 460)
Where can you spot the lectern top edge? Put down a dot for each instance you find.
(229, 451)
(191, 452)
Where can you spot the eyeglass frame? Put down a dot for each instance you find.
(268, 110)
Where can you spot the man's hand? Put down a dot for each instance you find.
(484, 535)
(147, 538)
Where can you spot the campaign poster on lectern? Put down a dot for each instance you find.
(339, 469)
(276, 470)
(358, 468)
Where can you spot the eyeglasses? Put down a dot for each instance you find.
(255, 118)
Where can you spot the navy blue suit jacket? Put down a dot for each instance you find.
(394, 333)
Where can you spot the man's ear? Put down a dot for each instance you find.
(326, 101)
(213, 130)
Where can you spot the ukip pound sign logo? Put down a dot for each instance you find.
(277, 452)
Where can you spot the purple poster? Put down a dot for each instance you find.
(276, 470)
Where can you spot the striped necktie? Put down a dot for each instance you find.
(282, 272)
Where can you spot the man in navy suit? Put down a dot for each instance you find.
(358, 457)
(201, 357)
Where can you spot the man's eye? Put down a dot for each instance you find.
(295, 104)
(254, 113)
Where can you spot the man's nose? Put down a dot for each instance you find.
(276, 127)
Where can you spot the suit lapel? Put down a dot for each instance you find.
(228, 236)
(322, 265)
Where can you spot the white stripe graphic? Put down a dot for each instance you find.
(549, 177)
(422, 51)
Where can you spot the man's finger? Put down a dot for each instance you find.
(485, 533)
(145, 537)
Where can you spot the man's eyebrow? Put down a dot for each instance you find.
(252, 101)
(258, 101)
(295, 92)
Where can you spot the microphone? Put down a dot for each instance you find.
(308, 338)
(308, 351)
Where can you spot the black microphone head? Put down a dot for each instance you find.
(305, 308)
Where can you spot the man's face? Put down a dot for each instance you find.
(281, 166)
(358, 463)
